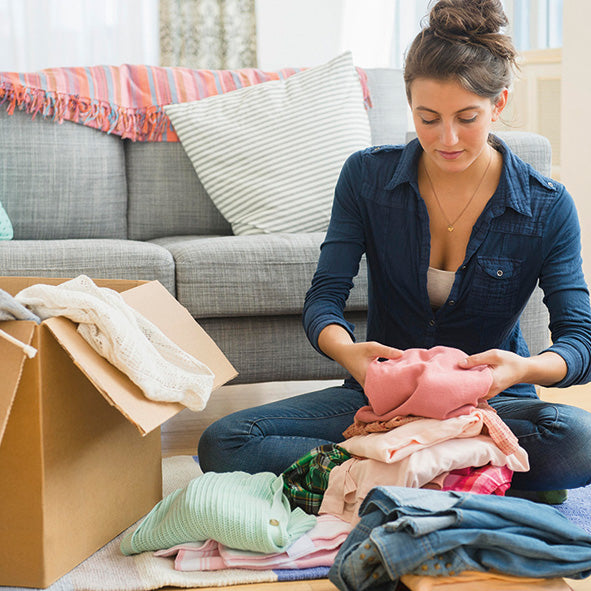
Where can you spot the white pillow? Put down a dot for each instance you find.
(269, 155)
(6, 232)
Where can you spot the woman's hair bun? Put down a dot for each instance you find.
(473, 21)
(468, 17)
(462, 41)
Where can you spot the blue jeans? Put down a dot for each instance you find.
(427, 532)
(270, 437)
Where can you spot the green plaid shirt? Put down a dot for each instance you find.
(305, 481)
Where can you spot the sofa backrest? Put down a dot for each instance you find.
(166, 197)
(61, 181)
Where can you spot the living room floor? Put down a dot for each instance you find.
(180, 436)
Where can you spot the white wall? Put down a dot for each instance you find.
(311, 32)
(298, 33)
(576, 122)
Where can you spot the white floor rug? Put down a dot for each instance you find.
(109, 570)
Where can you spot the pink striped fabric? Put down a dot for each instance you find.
(126, 100)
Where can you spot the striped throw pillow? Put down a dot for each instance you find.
(269, 155)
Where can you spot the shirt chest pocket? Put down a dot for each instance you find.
(495, 286)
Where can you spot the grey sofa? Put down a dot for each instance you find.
(82, 201)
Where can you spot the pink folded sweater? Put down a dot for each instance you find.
(423, 382)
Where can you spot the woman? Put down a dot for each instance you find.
(457, 231)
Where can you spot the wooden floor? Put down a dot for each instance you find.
(180, 436)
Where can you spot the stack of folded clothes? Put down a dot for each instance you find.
(427, 425)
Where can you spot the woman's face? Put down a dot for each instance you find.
(452, 123)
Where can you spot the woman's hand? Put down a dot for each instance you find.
(507, 368)
(336, 342)
(356, 357)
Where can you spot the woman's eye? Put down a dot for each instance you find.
(428, 121)
(471, 120)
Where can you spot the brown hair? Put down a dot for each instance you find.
(463, 42)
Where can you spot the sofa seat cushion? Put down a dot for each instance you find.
(260, 275)
(97, 258)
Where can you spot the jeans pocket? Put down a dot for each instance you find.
(495, 286)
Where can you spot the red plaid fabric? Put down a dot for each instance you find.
(485, 480)
(497, 429)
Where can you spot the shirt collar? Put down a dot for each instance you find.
(513, 190)
(407, 167)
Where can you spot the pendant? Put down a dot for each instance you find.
(450, 228)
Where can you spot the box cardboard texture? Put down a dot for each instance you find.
(80, 457)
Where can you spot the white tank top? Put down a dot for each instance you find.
(439, 284)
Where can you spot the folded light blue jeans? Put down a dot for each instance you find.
(430, 532)
(271, 437)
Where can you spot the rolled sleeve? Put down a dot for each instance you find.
(566, 293)
(340, 255)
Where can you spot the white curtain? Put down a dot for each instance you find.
(37, 34)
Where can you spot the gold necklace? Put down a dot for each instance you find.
(450, 225)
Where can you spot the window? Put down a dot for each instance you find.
(535, 24)
(378, 32)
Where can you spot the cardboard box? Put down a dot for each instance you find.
(79, 442)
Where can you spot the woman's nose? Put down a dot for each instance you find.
(449, 135)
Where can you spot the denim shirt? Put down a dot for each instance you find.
(528, 231)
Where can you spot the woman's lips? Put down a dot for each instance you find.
(450, 155)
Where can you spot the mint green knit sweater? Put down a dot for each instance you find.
(240, 510)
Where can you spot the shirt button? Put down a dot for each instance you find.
(500, 273)
(451, 302)
(431, 322)
(273, 522)
(551, 185)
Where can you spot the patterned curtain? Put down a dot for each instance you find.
(208, 34)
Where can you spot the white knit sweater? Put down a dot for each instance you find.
(134, 345)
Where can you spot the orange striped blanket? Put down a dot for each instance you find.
(126, 100)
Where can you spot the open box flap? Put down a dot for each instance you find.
(13, 285)
(154, 302)
(13, 360)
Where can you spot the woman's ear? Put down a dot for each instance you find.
(500, 104)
